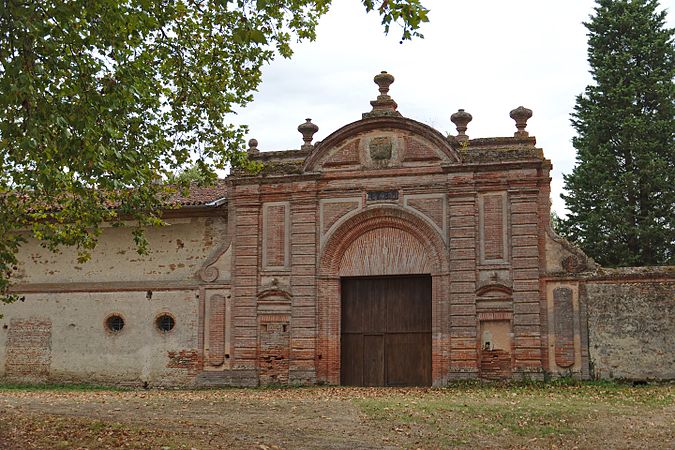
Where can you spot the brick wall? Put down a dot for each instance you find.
(29, 348)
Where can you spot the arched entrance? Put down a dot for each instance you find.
(367, 262)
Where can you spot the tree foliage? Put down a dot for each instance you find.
(620, 194)
(101, 99)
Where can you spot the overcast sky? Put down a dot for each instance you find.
(486, 56)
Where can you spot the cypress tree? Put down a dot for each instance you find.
(621, 194)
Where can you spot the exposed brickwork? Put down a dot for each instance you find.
(28, 352)
(380, 218)
(493, 227)
(248, 223)
(275, 235)
(348, 154)
(216, 330)
(385, 251)
(463, 323)
(495, 364)
(433, 208)
(415, 150)
(333, 211)
(273, 348)
(525, 229)
(304, 250)
(190, 360)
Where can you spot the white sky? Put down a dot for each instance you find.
(486, 56)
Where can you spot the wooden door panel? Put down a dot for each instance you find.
(375, 307)
(351, 368)
(408, 305)
(373, 360)
(353, 305)
(408, 359)
(386, 331)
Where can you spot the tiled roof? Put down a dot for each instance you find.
(201, 195)
(214, 195)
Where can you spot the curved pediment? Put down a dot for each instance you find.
(381, 142)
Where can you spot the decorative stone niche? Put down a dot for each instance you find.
(563, 310)
(218, 314)
(564, 334)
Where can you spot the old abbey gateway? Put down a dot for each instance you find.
(388, 254)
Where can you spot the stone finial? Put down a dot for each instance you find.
(521, 115)
(384, 105)
(383, 80)
(307, 129)
(461, 119)
(253, 147)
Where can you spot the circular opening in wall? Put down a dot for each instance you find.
(115, 323)
(165, 323)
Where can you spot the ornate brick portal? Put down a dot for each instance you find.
(382, 240)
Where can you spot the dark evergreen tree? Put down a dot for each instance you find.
(621, 194)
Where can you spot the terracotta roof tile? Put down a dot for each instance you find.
(201, 195)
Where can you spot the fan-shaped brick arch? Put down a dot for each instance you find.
(385, 251)
(383, 240)
(414, 233)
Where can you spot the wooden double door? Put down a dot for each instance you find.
(386, 331)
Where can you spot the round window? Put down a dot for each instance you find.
(115, 323)
(165, 323)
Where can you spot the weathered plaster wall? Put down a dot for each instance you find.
(631, 323)
(58, 333)
(63, 337)
(177, 251)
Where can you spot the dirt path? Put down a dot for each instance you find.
(335, 418)
(213, 419)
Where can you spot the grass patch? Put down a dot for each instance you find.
(513, 412)
(98, 426)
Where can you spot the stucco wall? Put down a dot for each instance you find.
(58, 332)
(63, 337)
(631, 324)
(176, 253)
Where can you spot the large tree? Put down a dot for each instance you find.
(101, 99)
(621, 194)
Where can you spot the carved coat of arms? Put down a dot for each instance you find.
(380, 148)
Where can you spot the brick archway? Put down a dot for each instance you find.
(383, 240)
